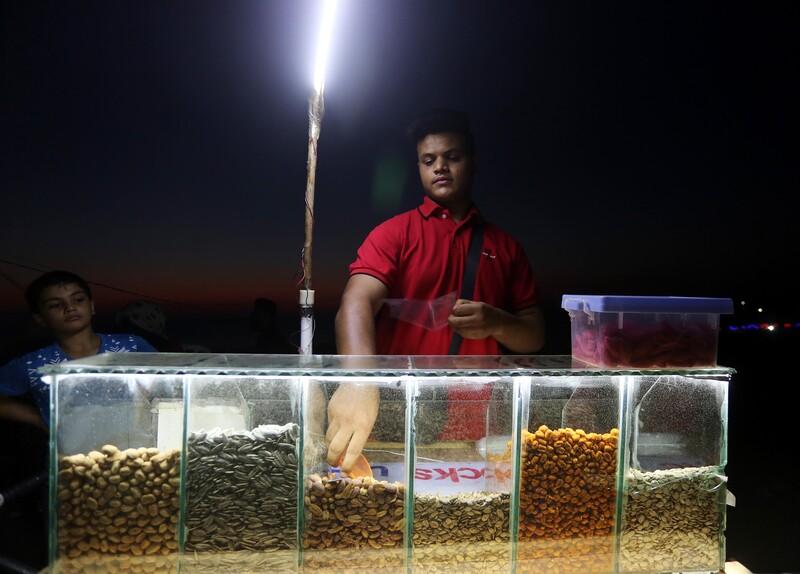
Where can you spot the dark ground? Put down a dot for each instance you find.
(23, 534)
(763, 528)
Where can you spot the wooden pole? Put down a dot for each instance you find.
(316, 109)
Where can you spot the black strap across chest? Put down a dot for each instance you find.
(470, 273)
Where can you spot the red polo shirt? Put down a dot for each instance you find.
(421, 255)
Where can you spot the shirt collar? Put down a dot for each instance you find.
(430, 207)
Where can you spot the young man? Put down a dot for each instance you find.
(61, 302)
(421, 255)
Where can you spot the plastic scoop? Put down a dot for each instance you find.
(360, 468)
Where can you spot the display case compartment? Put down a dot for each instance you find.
(569, 461)
(242, 473)
(673, 512)
(169, 463)
(113, 489)
(462, 483)
(351, 521)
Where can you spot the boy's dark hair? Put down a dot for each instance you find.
(440, 120)
(33, 293)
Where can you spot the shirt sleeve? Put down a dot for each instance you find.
(378, 256)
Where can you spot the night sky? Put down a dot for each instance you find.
(160, 148)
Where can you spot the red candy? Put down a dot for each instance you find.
(653, 345)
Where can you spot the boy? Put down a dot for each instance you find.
(61, 302)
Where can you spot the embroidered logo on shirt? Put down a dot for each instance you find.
(488, 253)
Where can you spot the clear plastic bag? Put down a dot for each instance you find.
(431, 315)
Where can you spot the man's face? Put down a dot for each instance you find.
(445, 168)
(65, 308)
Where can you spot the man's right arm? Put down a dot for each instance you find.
(353, 408)
(355, 321)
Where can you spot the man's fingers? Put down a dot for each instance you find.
(356, 446)
(461, 307)
(336, 446)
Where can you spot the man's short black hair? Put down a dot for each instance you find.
(440, 120)
(33, 293)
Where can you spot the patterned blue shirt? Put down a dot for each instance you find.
(20, 375)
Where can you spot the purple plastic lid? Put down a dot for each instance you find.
(645, 304)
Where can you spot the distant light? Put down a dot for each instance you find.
(328, 13)
(773, 327)
(760, 309)
(741, 302)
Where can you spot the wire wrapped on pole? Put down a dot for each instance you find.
(316, 109)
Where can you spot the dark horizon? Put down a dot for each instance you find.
(230, 332)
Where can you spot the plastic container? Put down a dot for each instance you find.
(642, 332)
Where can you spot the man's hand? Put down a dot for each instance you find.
(521, 332)
(474, 320)
(352, 411)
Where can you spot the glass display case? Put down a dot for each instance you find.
(166, 462)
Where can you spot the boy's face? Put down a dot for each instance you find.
(446, 168)
(64, 309)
